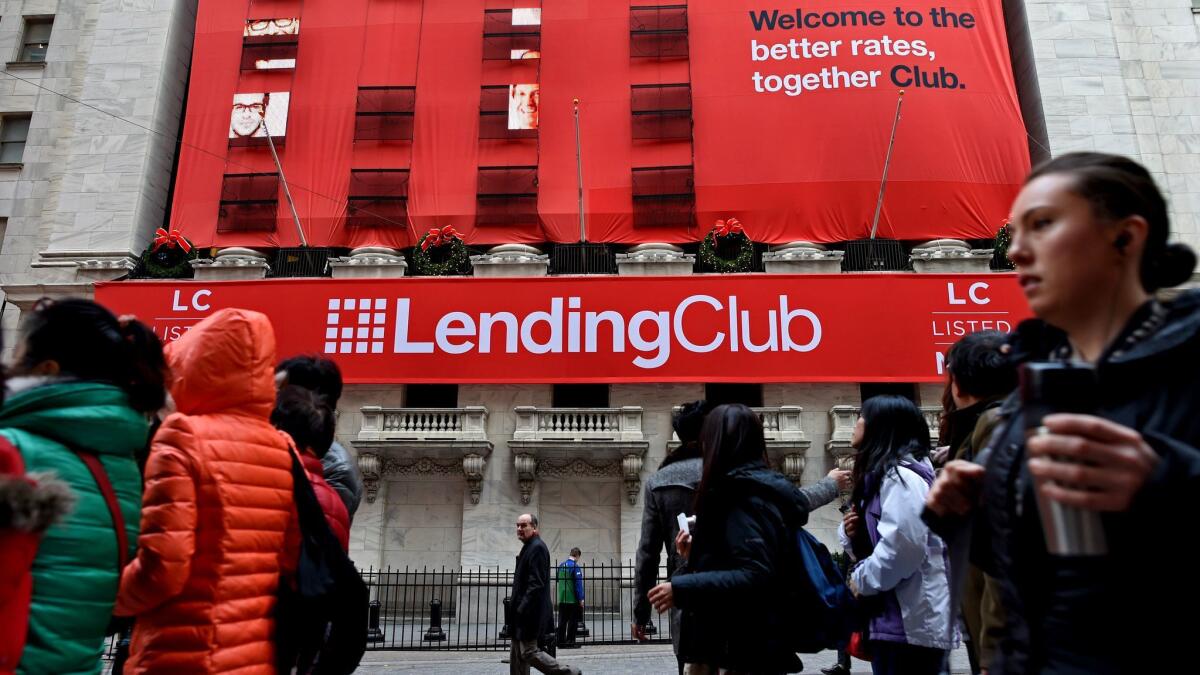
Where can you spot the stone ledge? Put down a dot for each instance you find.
(234, 263)
(802, 257)
(655, 259)
(511, 260)
(369, 262)
(950, 256)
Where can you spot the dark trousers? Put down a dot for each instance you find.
(568, 622)
(893, 658)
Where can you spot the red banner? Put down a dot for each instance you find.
(792, 110)
(737, 328)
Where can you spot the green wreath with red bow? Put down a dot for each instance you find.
(441, 253)
(168, 256)
(1000, 259)
(726, 248)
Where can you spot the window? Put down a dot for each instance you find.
(662, 111)
(431, 396)
(580, 396)
(495, 118)
(249, 201)
(512, 34)
(36, 39)
(378, 198)
(506, 195)
(658, 31)
(872, 389)
(722, 393)
(663, 196)
(385, 114)
(14, 131)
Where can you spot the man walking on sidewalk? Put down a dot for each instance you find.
(570, 599)
(532, 615)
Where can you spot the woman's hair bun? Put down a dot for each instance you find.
(1171, 267)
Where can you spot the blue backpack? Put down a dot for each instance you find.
(824, 608)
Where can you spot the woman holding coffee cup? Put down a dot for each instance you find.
(1089, 241)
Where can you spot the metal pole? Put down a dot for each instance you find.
(579, 168)
(287, 191)
(887, 162)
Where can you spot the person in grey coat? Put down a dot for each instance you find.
(325, 378)
(672, 490)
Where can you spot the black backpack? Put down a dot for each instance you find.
(321, 622)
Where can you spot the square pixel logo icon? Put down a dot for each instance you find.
(355, 326)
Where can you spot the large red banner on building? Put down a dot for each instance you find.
(737, 328)
(792, 110)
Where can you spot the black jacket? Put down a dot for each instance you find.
(733, 588)
(532, 616)
(1106, 615)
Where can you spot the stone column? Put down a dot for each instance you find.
(802, 257)
(655, 260)
(366, 534)
(369, 262)
(230, 264)
(950, 256)
(511, 260)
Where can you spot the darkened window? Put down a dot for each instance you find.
(14, 132)
(378, 198)
(36, 39)
(503, 41)
(506, 195)
(662, 111)
(663, 196)
(493, 114)
(905, 389)
(658, 31)
(249, 201)
(385, 114)
(580, 396)
(431, 396)
(721, 393)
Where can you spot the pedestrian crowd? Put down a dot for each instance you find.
(193, 497)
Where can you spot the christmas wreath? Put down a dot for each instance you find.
(440, 253)
(726, 248)
(167, 257)
(1000, 259)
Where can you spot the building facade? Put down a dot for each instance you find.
(449, 466)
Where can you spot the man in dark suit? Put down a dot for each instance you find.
(532, 616)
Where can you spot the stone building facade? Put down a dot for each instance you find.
(447, 482)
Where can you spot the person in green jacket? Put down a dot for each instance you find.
(81, 383)
(570, 598)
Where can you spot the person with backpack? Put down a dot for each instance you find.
(900, 569)
(219, 514)
(1090, 241)
(323, 377)
(980, 376)
(303, 415)
(81, 384)
(569, 578)
(740, 561)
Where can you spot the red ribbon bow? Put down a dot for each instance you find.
(724, 228)
(171, 239)
(438, 237)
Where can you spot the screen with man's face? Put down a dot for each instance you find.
(269, 27)
(523, 54)
(249, 110)
(523, 102)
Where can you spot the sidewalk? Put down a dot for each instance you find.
(605, 660)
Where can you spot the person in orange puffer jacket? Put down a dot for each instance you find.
(219, 526)
(304, 415)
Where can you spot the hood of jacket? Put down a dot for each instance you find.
(225, 363)
(89, 415)
(756, 479)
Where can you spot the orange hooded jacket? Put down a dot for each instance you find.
(218, 515)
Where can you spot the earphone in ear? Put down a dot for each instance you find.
(1122, 241)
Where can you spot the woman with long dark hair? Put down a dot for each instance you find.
(897, 558)
(1089, 241)
(81, 386)
(737, 569)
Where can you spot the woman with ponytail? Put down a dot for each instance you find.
(80, 388)
(1090, 243)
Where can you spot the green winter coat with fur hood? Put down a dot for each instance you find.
(75, 572)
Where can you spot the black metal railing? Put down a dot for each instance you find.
(583, 258)
(456, 609)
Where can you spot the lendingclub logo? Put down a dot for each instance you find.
(355, 326)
